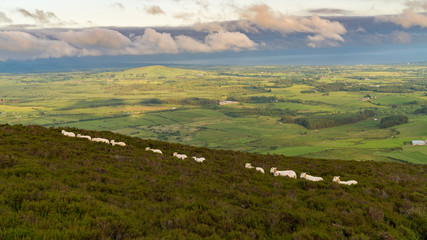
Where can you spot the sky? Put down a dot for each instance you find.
(45, 29)
(151, 13)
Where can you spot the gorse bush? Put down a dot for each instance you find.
(57, 187)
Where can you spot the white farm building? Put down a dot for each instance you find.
(418, 142)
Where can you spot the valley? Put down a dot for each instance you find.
(181, 104)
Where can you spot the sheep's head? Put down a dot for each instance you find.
(336, 179)
(175, 153)
(147, 148)
(303, 175)
(272, 169)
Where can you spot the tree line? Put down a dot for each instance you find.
(333, 120)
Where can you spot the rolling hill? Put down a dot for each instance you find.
(57, 187)
(158, 71)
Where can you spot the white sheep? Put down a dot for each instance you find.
(337, 180)
(286, 173)
(153, 150)
(84, 136)
(310, 178)
(179, 156)
(113, 142)
(248, 165)
(101, 140)
(68, 134)
(259, 169)
(200, 160)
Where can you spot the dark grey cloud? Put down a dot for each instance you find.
(40, 16)
(328, 11)
(154, 10)
(184, 16)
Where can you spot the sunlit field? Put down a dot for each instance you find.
(183, 105)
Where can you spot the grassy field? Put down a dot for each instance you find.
(181, 105)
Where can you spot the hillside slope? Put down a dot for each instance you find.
(162, 71)
(57, 187)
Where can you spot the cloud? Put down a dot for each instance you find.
(417, 4)
(409, 18)
(401, 37)
(118, 5)
(328, 11)
(325, 31)
(234, 41)
(184, 16)
(154, 10)
(153, 42)
(98, 37)
(23, 46)
(4, 18)
(188, 44)
(40, 16)
(208, 27)
(51, 43)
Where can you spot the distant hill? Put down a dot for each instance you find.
(58, 187)
(162, 71)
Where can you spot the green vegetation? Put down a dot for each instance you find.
(183, 106)
(393, 121)
(57, 187)
(334, 120)
(422, 110)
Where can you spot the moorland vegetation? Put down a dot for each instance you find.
(58, 187)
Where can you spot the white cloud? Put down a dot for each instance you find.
(153, 42)
(15, 45)
(234, 41)
(98, 37)
(326, 32)
(422, 4)
(23, 46)
(409, 18)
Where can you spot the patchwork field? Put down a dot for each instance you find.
(182, 105)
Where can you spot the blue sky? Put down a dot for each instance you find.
(43, 29)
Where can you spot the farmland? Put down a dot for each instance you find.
(181, 105)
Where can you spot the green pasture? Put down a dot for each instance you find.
(158, 102)
(297, 151)
(411, 154)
